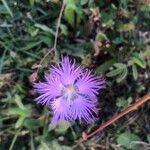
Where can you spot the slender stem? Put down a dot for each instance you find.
(14, 139)
(134, 106)
(32, 142)
(40, 64)
(56, 56)
(57, 31)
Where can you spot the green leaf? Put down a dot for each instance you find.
(46, 40)
(130, 99)
(3, 10)
(105, 66)
(121, 72)
(126, 27)
(64, 29)
(30, 45)
(18, 111)
(124, 3)
(148, 138)
(62, 127)
(69, 14)
(2, 60)
(53, 145)
(101, 37)
(19, 121)
(127, 140)
(122, 102)
(32, 2)
(44, 146)
(7, 8)
(69, 2)
(44, 28)
(118, 40)
(106, 17)
(31, 123)
(83, 2)
(17, 99)
(147, 52)
(114, 72)
(138, 60)
(135, 72)
(145, 8)
(120, 65)
(123, 75)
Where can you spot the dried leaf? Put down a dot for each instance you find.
(97, 47)
(84, 136)
(33, 77)
(35, 66)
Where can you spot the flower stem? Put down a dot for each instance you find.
(56, 57)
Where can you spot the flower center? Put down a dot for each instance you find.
(70, 92)
(69, 89)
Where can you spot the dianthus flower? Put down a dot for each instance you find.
(70, 91)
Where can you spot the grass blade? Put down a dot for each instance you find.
(7, 7)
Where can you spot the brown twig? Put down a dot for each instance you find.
(57, 31)
(50, 50)
(134, 106)
(56, 57)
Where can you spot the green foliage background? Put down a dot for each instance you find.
(111, 37)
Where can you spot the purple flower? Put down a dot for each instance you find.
(70, 90)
